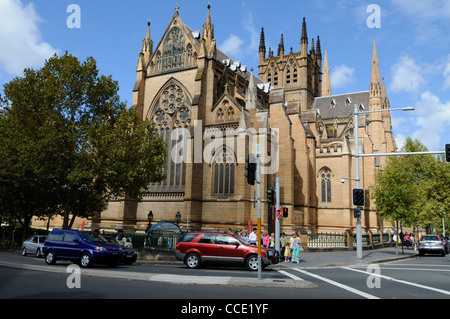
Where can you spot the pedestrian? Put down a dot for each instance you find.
(272, 241)
(266, 240)
(295, 249)
(282, 244)
(411, 239)
(287, 249)
(406, 238)
(252, 237)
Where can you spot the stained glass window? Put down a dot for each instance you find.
(173, 50)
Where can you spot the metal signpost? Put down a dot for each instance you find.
(279, 214)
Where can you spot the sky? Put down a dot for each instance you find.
(411, 36)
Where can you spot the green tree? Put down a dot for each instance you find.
(70, 145)
(413, 189)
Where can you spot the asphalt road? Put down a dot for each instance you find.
(425, 277)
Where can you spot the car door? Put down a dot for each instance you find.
(31, 245)
(72, 248)
(229, 249)
(207, 246)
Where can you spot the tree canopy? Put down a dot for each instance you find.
(414, 188)
(69, 145)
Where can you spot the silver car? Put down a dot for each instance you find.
(431, 244)
(33, 245)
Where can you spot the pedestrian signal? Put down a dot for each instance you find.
(359, 197)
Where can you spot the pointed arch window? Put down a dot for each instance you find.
(173, 50)
(172, 119)
(224, 169)
(325, 177)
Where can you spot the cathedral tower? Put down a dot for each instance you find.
(300, 73)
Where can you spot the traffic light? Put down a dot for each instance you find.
(285, 212)
(271, 196)
(250, 169)
(447, 153)
(359, 197)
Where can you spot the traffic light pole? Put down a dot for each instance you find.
(358, 218)
(258, 197)
(277, 219)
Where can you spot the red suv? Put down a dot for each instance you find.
(197, 248)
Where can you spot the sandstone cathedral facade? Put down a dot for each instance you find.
(185, 84)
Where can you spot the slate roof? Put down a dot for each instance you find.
(336, 106)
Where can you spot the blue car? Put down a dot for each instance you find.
(83, 247)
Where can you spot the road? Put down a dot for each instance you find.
(425, 277)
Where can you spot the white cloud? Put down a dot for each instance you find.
(341, 76)
(238, 47)
(232, 46)
(433, 119)
(20, 38)
(447, 75)
(429, 10)
(406, 75)
(400, 140)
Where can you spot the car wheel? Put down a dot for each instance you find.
(38, 253)
(24, 251)
(50, 257)
(86, 260)
(193, 261)
(252, 262)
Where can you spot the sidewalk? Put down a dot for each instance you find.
(348, 258)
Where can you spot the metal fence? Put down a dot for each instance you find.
(155, 242)
(327, 240)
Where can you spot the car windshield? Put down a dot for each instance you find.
(242, 241)
(430, 238)
(92, 237)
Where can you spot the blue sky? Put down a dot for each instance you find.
(411, 35)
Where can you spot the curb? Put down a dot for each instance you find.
(173, 279)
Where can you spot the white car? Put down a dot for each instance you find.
(33, 245)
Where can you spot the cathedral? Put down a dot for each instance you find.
(210, 110)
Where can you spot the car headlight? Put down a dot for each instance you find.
(100, 248)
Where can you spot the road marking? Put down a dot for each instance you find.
(445, 292)
(289, 275)
(418, 269)
(332, 282)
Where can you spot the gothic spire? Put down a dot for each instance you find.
(326, 83)
(252, 95)
(304, 32)
(262, 42)
(208, 27)
(319, 49)
(281, 46)
(147, 45)
(375, 79)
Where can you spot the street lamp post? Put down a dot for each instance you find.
(150, 219)
(178, 217)
(356, 114)
(358, 217)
